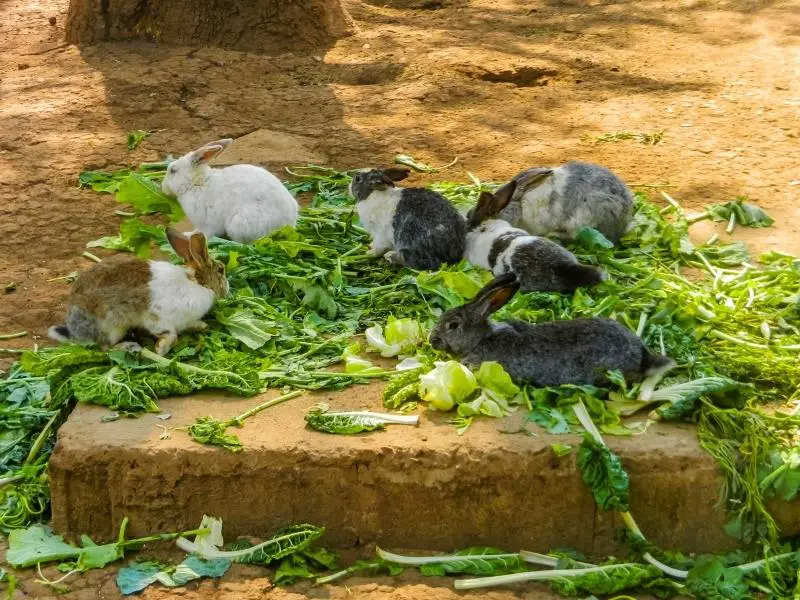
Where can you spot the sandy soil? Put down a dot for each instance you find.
(502, 84)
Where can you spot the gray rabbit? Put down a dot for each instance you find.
(414, 227)
(559, 201)
(579, 351)
(538, 263)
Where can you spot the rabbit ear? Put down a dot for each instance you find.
(224, 142)
(532, 178)
(503, 195)
(206, 153)
(199, 249)
(496, 294)
(393, 174)
(179, 243)
(486, 207)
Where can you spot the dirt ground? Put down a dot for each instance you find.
(502, 84)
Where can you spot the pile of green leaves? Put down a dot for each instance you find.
(291, 551)
(299, 296)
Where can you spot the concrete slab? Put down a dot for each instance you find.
(406, 487)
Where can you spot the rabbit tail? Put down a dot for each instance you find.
(59, 333)
(577, 275)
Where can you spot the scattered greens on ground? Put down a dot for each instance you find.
(643, 137)
(137, 137)
(291, 550)
(299, 296)
(208, 430)
(38, 544)
(736, 212)
(408, 161)
(138, 575)
(11, 583)
(320, 418)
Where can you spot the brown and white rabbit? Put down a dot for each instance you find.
(539, 264)
(124, 292)
(580, 351)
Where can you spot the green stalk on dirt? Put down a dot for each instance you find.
(208, 430)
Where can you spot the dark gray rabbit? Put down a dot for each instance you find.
(579, 351)
(414, 227)
(559, 201)
(539, 264)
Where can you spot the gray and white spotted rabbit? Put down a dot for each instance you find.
(539, 264)
(579, 351)
(414, 227)
(560, 201)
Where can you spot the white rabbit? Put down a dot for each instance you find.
(241, 202)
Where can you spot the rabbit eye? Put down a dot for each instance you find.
(453, 325)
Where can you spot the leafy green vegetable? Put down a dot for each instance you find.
(349, 423)
(139, 575)
(402, 388)
(739, 212)
(135, 138)
(11, 583)
(602, 471)
(682, 397)
(472, 561)
(38, 544)
(208, 430)
(401, 335)
(354, 363)
(146, 197)
(561, 449)
(108, 182)
(592, 239)
(711, 580)
(604, 579)
(246, 327)
(491, 376)
(448, 384)
(287, 541)
(373, 567)
(408, 161)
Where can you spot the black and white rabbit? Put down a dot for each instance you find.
(539, 264)
(414, 227)
(561, 200)
(580, 351)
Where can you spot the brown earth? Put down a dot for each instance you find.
(501, 84)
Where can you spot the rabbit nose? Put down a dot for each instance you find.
(435, 340)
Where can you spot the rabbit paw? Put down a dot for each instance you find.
(393, 257)
(165, 342)
(375, 250)
(196, 326)
(128, 347)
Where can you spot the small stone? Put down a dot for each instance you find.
(318, 58)
(365, 46)
(52, 21)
